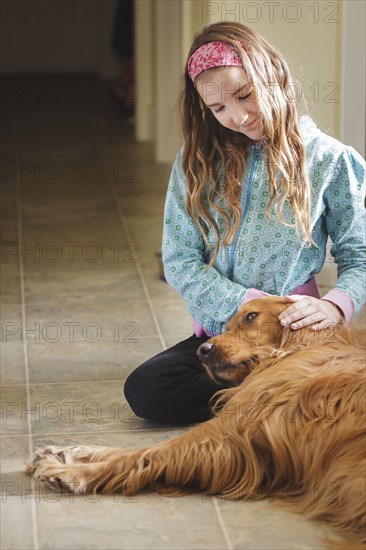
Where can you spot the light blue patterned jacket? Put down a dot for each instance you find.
(266, 255)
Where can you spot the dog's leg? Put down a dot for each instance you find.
(202, 459)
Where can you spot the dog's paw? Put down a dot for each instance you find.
(49, 470)
(41, 454)
(61, 455)
(64, 455)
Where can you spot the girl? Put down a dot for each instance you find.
(253, 195)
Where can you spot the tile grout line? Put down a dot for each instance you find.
(222, 524)
(126, 230)
(25, 354)
(98, 432)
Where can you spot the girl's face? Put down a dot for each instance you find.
(232, 99)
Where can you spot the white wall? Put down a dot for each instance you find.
(353, 115)
(168, 71)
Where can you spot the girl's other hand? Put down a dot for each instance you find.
(308, 311)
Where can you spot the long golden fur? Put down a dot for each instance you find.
(291, 427)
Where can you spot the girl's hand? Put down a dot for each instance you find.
(307, 310)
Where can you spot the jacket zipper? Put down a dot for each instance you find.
(245, 211)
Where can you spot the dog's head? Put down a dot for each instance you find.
(231, 356)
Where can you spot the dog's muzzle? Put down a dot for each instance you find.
(221, 369)
(211, 360)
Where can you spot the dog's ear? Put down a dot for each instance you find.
(293, 339)
(290, 337)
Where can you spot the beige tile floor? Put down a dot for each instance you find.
(82, 305)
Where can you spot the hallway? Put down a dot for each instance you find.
(82, 305)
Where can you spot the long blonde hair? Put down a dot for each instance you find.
(214, 158)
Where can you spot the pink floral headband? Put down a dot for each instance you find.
(212, 54)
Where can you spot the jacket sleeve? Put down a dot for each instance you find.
(212, 299)
(345, 218)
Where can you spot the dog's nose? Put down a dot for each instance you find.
(204, 350)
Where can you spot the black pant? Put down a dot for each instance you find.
(172, 387)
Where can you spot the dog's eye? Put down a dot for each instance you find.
(251, 316)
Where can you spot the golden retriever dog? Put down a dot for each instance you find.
(291, 427)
